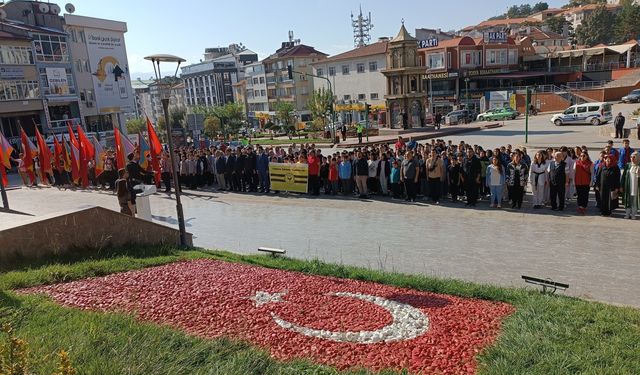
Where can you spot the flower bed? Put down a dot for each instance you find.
(343, 323)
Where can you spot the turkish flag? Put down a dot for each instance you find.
(339, 322)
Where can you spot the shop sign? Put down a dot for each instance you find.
(11, 73)
(484, 72)
(428, 43)
(495, 37)
(444, 75)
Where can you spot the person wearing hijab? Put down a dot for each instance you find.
(629, 187)
(608, 184)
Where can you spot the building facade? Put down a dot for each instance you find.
(257, 101)
(101, 70)
(297, 90)
(210, 82)
(356, 79)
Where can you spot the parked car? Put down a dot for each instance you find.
(500, 114)
(588, 113)
(461, 116)
(633, 97)
(481, 116)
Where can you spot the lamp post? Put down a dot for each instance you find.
(165, 93)
(466, 84)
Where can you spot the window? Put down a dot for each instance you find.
(594, 108)
(373, 66)
(435, 60)
(255, 81)
(360, 68)
(449, 60)
(19, 90)
(263, 93)
(345, 69)
(346, 97)
(15, 55)
(291, 91)
(332, 71)
(513, 57)
(471, 58)
(362, 97)
(262, 80)
(50, 48)
(256, 93)
(497, 57)
(320, 72)
(82, 37)
(582, 109)
(374, 96)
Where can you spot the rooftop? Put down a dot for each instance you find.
(377, 48)
(503, 22)
(298, 50)
(403, 36)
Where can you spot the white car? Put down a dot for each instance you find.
(588, 113)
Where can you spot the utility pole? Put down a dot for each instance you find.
(366, 114)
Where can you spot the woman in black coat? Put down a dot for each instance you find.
(608, 185)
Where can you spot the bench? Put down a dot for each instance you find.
(546, 284)
(272, 251)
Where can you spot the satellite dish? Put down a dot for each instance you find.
(54, 9)
(43, 8)
(69, 8)
(3, 14)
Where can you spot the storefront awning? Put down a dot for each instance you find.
(514, 75)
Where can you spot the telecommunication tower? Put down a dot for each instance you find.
(361, 29)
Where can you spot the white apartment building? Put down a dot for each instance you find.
(101, 70)
(256, 95)
(355, 79)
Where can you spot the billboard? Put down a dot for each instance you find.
(496, 37)
(110, 71)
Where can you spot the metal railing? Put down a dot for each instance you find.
(586, 85)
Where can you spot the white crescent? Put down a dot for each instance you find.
(408, 323)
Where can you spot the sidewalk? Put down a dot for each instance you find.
(445, 131)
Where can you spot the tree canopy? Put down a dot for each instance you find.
(523, 10)
(319, 105)
(556, 24)
(627, 25)
(223, 118)
(597, 28)
(136, 125)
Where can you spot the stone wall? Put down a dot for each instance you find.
(91, 228)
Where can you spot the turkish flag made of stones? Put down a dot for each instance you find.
(339, 322)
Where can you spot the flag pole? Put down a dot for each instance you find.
(3, 192)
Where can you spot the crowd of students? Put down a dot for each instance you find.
(435, 170)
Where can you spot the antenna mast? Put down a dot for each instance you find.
(361, 29)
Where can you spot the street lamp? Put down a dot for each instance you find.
(466, 83)
(165, 92)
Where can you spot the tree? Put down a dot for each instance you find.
(596, 28)
(627, 25)
(136, 125)
(178, 117)
(539, 7)
(556, 24)
(320, 107)
(228, 118)
(212, 127)
(285, 113)
(577, 3)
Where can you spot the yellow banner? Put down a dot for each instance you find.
(289, 177)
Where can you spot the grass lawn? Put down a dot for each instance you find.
(546, 335)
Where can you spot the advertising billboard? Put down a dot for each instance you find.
(58, 81)
(110, 70)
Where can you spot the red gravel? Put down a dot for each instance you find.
(210, 299)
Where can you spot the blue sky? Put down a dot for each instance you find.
(185, 28)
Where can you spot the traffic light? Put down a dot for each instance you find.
(290, 71)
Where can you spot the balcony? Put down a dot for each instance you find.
(58, 124)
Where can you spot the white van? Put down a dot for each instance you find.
(588, 113)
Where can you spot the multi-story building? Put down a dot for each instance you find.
(43, 25)
(576, 15)
(176, 97)
(101, 70)
(20, 98)
(142, 97)
(257, 101)
(460, 70)
(355, 80)
(297, 90)
(539, 37)
(508, 25)
(210, 82)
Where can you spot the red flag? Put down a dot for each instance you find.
(156, 150)
(99, 156)
(120, 156)
(3, 172)
(86, 143)
(27, 158)
(72, 136)
(5, 151)
(45, 154)
(57, 154)
(74, 155)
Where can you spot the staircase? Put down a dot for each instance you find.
(630, 80)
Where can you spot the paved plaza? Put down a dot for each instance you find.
(598, 257)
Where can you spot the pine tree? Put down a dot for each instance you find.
(596, 28)
(628, 26)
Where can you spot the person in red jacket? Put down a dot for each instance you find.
(400, 145)
(333, 176)
(583, 180)
(314, 172)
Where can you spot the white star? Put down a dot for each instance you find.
(262, 298)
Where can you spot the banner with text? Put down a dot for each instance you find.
(110, 70)
(289, 177)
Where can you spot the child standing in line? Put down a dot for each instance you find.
(394, 177)
(333, 176)
(454, 179)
